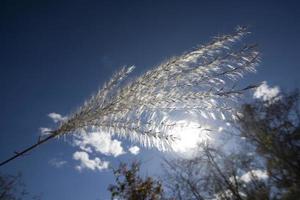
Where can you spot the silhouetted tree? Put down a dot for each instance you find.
(11, 187)
(131, 186)
(215, 175)
(274, 129)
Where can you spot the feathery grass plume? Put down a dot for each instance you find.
(200, 81)
(196, 81)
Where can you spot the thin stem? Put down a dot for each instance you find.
(18, 154)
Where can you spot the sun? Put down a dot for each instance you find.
(189, 135)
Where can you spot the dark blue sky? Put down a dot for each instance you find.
(54, 54)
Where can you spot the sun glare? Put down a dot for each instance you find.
(189, 135)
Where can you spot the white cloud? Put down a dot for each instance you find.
(259, 174)
(57, 162)
(265, 92)
(57, 117)
(45, 131)
(87, 163)
(99, 142)
(134, 150)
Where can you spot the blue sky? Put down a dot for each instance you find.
(55, 54)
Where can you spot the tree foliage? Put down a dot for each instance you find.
(131, 186)
(12, 187)
(215, 175)
(274, 129)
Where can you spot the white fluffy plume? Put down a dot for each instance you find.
(200, 81)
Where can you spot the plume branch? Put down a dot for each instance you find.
(199, 80)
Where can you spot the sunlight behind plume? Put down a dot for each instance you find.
(189, 134)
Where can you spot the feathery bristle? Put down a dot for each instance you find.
(198, 80)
